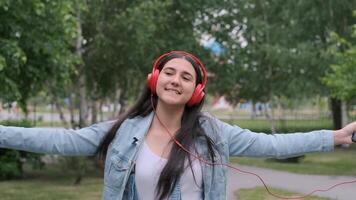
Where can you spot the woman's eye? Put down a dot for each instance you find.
(186, 78)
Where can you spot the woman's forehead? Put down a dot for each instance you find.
(181, 65)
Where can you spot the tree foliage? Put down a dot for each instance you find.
(271, 48)
(35, 46)
(274, 48)
(123, 38)
(341, 79)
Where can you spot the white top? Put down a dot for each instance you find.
(148, 169)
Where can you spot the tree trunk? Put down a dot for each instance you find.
(271, 119)
(60, 112)
(101, 110)
(35, 114)
(72, 110)
(336, 113)
(78, 179)
(94, 112)
(122, 102)
(83, 104)
(344, 118)
(253, 113)
(117, 103)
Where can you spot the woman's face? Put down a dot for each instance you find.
(176, 82)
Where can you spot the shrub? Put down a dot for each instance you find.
(12, 161)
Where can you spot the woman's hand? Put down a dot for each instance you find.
(343, 136)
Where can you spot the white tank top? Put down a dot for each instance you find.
(148, 169)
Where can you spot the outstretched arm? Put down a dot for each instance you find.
(61, 141)
(243, 142)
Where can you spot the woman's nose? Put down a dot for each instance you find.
(175, 80)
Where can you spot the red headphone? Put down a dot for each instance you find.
(199, 89)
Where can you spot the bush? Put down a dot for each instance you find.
(296, 159)
(12, 161)
(10, 164)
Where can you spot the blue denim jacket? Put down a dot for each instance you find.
(122, 152)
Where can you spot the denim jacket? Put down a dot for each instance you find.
(122, 152)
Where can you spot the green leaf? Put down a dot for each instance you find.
(2, 63)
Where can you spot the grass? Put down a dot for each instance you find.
(338, 162)
(52, 183)
(260, 193)
(51, 189)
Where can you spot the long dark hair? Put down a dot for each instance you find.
(188, 133)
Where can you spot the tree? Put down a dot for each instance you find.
(123, 38)
(36, 55)
(341, 80)
(35, 46)
(275, 48)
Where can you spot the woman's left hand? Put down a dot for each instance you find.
(343, 136)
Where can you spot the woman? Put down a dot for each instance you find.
(164, 147)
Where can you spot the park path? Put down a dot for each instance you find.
(290, 181)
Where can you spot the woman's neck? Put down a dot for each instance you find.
(169, 116)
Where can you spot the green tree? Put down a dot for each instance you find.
(123, 38)
(275, 48)
(35, 46)
(341, 80)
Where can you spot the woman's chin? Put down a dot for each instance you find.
(174, 102)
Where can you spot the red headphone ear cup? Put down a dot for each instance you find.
(152, 80)
(149, 77)
(197, 96)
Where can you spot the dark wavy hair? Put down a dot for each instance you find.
(188, 133)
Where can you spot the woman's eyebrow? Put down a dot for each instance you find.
(172, 68)
(169, 68)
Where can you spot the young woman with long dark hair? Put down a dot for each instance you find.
(164, 147)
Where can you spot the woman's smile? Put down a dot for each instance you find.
(173, 90)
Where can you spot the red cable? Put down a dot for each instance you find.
(246, 172)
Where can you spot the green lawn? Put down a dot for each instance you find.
(338, 162)
(52, 184)
(260, 193)
(51, 189)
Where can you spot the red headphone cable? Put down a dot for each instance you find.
(243, 171)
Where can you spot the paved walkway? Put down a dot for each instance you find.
(292, 182)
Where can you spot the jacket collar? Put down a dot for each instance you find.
(140, 126)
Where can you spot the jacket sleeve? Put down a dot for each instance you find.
(60, 141)
(243, 142)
